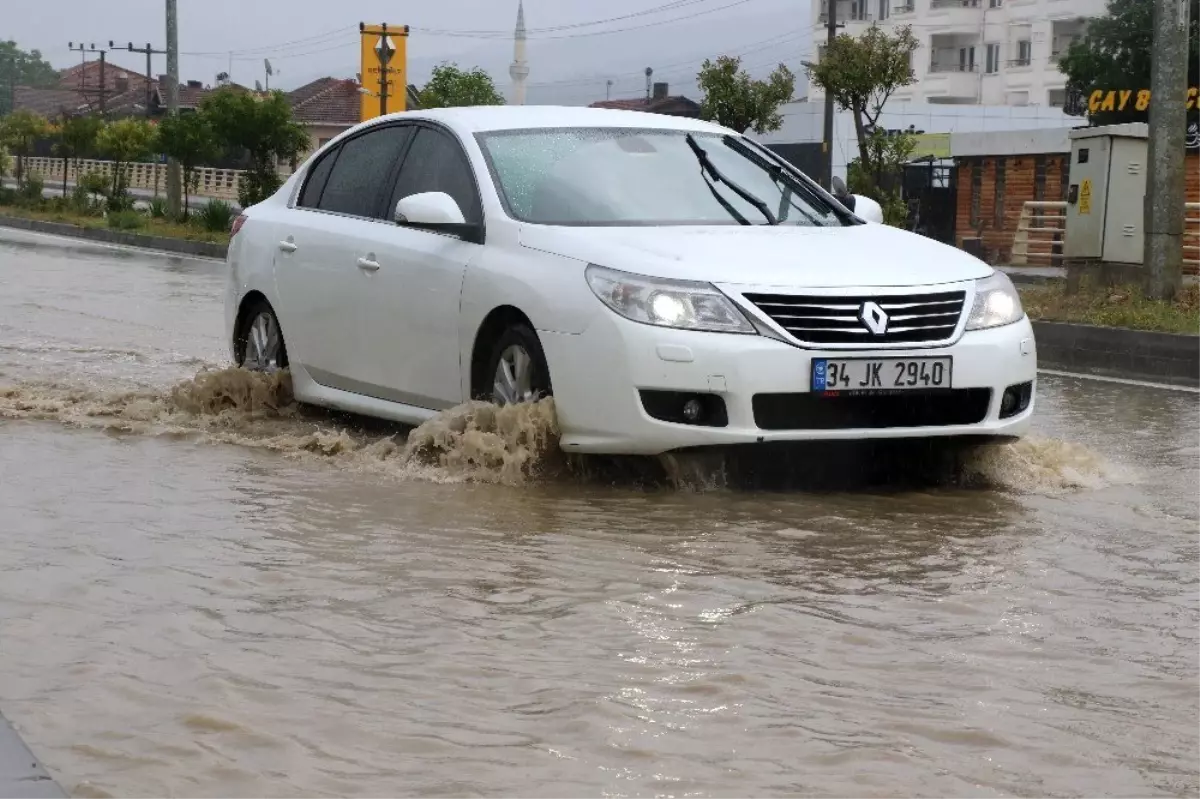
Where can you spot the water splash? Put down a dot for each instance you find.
(513, 445)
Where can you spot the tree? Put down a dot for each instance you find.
(190, 140)
(733, 99)
(125, 141)
(261, 126)
(449, 87)
(21, 68)
(18, 132)
(76, 139)
(1115, 54)
(860, 74)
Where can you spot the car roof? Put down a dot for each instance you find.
(477, 119)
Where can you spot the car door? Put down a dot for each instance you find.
(413, 310)
(323, 271)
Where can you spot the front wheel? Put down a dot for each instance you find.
(260, 345)
(518, 368)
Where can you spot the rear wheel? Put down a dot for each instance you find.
(260, 344)
(517, 368)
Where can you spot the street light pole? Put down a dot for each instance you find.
(1165, 192)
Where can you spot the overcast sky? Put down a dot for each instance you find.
(307, 39)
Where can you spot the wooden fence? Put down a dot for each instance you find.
(1042, 230)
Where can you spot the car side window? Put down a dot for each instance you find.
(359, 174)
(436, 162)
(310, 195)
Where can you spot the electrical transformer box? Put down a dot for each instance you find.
(1106, 197)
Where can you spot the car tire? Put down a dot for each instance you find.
(517, 370)
(260, 346)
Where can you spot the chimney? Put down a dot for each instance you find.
(122, 84)
(660, 91)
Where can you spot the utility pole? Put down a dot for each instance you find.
(91, 48)
(831, 27)
(1163, 254)
(148, 51)
(174, 176)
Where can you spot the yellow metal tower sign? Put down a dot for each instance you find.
(384, 69)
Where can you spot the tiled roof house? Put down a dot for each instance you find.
(659, 102)
(328, 106)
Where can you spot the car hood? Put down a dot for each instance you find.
(761, 255)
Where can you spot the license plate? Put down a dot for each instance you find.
(880, 374)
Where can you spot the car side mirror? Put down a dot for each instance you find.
(867, 209)
(436, 212)
(428, 208)
(837, 187)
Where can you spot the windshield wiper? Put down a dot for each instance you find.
(707, 165)
(778, 173)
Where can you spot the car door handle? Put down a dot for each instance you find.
(368, 265)
(288, 246)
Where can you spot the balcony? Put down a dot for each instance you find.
(904, 7)
(962, 14)
(952, 83)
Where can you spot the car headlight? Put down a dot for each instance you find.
(996, 303)
(684, 304)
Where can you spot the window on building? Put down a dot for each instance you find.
(976, 191)
(885, 9)
(1024, 52)
(1056, 98)
(966, 59)
(1039, 177)
(858, 10)
(998, 196)
(994, 3)
(992, 65)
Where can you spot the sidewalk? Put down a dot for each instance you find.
(20, 775)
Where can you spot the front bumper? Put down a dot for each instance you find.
(600, 374)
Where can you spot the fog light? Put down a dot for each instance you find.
(1015, 399)
(692, 410)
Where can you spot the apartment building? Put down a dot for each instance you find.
(974, 52)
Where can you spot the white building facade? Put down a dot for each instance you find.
(974, 52)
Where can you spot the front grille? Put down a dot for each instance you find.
(832, 319)
(901, 409)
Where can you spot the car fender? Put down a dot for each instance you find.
(549, 289)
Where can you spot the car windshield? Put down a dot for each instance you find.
(624, 176)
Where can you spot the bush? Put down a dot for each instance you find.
(8, 196)
(256, 186)
(216, 216)
(94, 183)
(30, 194)
(81, 201)
(117, 203)
(158, 208)
(126, 220)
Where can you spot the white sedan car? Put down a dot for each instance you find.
(670, 282)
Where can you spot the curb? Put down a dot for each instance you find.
(1119, 352)
(21, 776)
(203, 249)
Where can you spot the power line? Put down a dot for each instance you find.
(270, 48)
(675, 4)
(502, 35)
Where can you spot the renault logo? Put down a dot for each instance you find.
(874, 317)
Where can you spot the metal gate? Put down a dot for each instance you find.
(931, 191)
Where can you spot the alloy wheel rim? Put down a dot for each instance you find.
(263, 344)
(513, 381)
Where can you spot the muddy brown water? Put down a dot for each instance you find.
(207, 591)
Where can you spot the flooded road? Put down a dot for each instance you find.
(205, 591)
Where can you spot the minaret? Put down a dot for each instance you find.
(518, 70)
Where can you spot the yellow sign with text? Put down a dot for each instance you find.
(384, 69)
(1085, 196)
(1138, 100)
